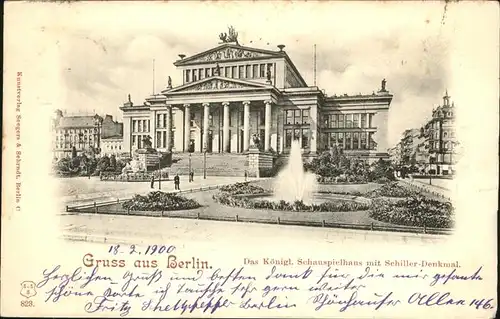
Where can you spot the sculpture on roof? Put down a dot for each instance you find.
(231, 36)
(383, 85)
(129, 99)
(169, 83)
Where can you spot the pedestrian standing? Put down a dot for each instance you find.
(177, 182)
(152, 181)
(191, 176)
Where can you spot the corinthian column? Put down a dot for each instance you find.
(246, 125)
(267, 126)
(206, 114)
(225, 130)
(187, 126)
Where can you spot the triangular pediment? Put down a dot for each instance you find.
(217, 83)
(227, 52)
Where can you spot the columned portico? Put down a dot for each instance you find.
(187, 126)
(206, 114)
(246, 125)
(225, 130)
(267, 125)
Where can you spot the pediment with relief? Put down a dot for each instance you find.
(229, 53)
(215, 84)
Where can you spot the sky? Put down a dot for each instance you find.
(106, 50)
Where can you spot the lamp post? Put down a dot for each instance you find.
(159, 170)
(205, 164)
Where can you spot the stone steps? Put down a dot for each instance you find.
(216, 165)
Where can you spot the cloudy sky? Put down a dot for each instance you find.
(106, 50)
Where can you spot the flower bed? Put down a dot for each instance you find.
(233, 195)
(392, 189)
(159, 201)
(413, 211)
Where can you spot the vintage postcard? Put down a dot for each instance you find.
(250, 159)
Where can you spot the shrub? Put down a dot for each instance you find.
(413, 211)
(392, 189)
(160, 201)
(242, 188)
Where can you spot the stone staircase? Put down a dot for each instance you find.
(217, 164)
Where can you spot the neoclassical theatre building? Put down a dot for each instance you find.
(231, 93)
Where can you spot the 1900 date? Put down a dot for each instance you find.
(147, 250)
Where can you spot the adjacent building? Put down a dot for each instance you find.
(80, 132)
(84, 132)
(232, 93)
(432, 147)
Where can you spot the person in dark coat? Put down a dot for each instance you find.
(152, 181)
(191, 176)
(177, 181)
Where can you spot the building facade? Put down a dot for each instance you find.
(112, 146)
(441, 138)
(80, 132)
(111, 128)
(232, 93)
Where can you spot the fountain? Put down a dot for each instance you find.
(293, 183)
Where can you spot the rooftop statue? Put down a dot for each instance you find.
(231, 36)
(383, 85)
(169, 83)
(129, 99)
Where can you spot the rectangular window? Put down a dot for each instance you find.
(340, 139)
(241, 70)
(195, 76)
(234, 72)
(347, 141)
(139, 141)
(164, 139)
(200, 74)
(288, 138)
(207, 72)
(305, 116)
(348, 121)
(297, 119)
(333, 139)
(270, 68)
(255, 70)
(164, 120)
(334, 121)
(341, 120)
(139, 126)
(289, 117)
(248, 69)
(355, 140)
(355, 120)
(370, 120)
(372, 145)
(296, 134)
(363, 120)
(158, 137)
(262, 70)
(305, 138)
(226, 72)
(363, 140)
(158, 119)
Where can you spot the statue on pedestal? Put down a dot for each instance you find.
(169, 83)
(255, 141)
(383, 86)
(129, 99)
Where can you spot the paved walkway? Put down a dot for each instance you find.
(436, 190)
(138, 229)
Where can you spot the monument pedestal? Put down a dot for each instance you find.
(260, 164)
(149, 158)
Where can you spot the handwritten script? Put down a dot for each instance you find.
(212, 290)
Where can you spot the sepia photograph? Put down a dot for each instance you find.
(280, 159)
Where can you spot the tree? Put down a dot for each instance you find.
(73, 152)
(103, 163)
(112, 163)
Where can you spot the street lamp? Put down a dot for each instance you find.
(159, 170)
